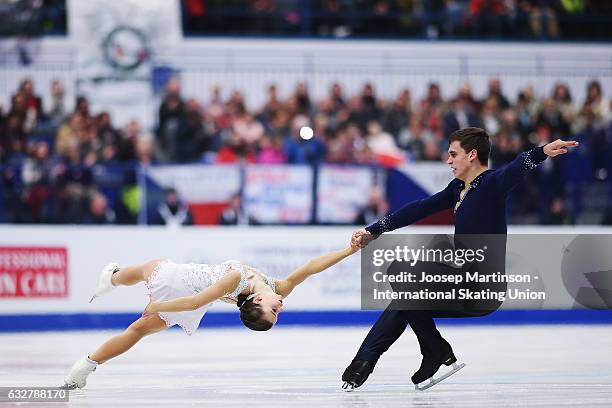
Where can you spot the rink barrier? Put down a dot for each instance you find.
(47, 274)
(101, 321)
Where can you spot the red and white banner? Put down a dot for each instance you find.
(207, 189)
(33, 272)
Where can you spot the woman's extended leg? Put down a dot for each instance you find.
(124, 341)
(131, 275)
(77, 377)
(113, 276)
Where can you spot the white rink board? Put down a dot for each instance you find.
(275, 251)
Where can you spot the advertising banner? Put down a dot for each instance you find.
(342, 191)
(33, 272)
(278, 194)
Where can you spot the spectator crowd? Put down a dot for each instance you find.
(61, 166)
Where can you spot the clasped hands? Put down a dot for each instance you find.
(361, 238)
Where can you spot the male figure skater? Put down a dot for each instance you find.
(478, 196)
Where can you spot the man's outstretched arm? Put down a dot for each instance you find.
(510, 175)
(408, 214)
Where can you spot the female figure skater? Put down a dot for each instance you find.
(180, 294)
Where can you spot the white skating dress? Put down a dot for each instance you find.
(170, 280)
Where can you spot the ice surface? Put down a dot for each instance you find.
(518, 366)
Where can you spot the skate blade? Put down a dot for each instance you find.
(348, 387)
(92, 298)
(434, 381)
(66, 386)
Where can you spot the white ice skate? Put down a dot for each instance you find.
(433, 381)
(105, 284)
(77, 377)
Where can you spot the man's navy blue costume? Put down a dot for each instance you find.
(482, 211)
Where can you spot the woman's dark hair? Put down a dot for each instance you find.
(250, 314)
(471, 138)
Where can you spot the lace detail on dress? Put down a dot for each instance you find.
(170, 281)
(205, 275)
(153, 276)
(189, 325)
(271, 282)
(242, 285)
(171, 322)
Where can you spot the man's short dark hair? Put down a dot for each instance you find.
(473, 138)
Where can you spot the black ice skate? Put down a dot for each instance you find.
(356, 374)
(429, 366)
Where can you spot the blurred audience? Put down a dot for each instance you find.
(56, 164)
(376, 208)
(234, 214)
(172, 212)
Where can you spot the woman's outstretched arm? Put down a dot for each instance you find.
(314, 266)
(216, 291)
